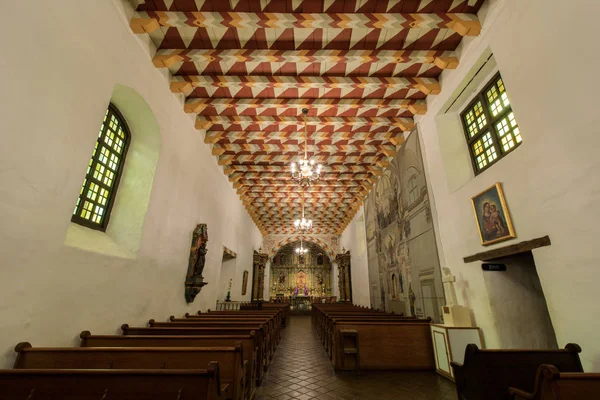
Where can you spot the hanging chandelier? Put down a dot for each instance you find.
(301, 250)
(305, 173)
(303, 225)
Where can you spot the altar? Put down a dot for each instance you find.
(300, 302)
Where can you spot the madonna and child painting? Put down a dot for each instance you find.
(492, 216)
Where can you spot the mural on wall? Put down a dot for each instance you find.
(404, 271)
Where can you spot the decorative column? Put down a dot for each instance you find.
(258, 275)
(344, 277)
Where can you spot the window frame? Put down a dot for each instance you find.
(491, 125)
(411, 189)
(75, 217)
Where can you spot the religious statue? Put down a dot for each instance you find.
(194, 281)
(412, 298)
(448, 281)
(200, 259)
(454, 315)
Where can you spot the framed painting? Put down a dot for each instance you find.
(244, 282)
(491, 214)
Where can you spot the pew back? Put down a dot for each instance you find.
(66, 384)
(230, 359)
(248, 343)
(488, 374)
(550, 384)
(388, 345)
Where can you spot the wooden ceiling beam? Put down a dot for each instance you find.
(295, 148)
(394, 136)
(244, 123)
(165, 58)
(329, 168)
(315, 106)
(288, 201)
(307, 86)
(148, 22)
(376, 159)
(327, 176)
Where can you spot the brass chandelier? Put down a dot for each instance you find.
(303, 225)
(306, 173)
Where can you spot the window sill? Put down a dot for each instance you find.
(87, 239)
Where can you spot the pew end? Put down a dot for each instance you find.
(488, 374)
(22, 346)
(551, 384)
(85, 334)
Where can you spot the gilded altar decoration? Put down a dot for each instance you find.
(194, 281)
(297, 276)
(258, 275)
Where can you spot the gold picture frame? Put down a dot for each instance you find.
(492, 216)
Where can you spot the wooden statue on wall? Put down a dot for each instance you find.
(344, 276)
(194, 281)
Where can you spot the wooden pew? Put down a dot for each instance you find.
(262, 357)
(328, 334)
(256, 326)
(388, 345)
(270, 320)
(231, 360)
(274, 331)
(551, 384)
(248, 342)
(279, 315)
(488, 374)
(111, 384)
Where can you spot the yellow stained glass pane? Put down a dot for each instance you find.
(481, 161)
(478, 147)
(517, 134)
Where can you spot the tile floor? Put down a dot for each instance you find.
(301, 370)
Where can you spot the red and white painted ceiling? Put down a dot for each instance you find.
(363, 68)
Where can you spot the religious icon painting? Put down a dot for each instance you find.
(491, 214)
(244, 282)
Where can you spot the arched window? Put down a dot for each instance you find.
(101, 181)
(412, 189)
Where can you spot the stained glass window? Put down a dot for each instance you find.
(103, 172)
(490, 125)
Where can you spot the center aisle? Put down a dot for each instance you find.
(301, 370)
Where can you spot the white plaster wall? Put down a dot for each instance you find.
(57, 76)
(546, 54)
(354, 239)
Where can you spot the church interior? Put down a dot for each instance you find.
(299, 199)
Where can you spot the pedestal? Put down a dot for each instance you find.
(449, 344)
(457, 316)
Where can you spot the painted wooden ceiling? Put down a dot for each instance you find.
(363, 68)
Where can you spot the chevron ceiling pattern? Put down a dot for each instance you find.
(363, 68)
